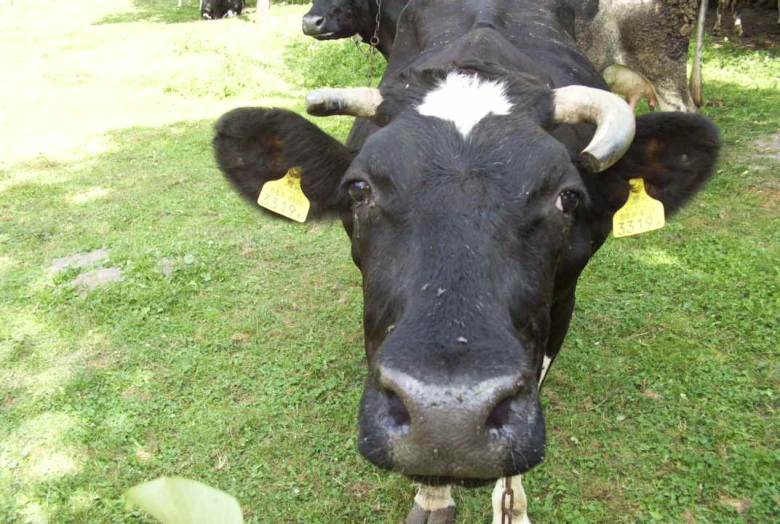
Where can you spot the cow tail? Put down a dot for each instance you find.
(695, 85)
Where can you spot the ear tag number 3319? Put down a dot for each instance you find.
(285, 196)
(641, 212)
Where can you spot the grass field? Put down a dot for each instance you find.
(230, 350)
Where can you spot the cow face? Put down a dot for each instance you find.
(470, 230)
(333, 19)
(458, 245)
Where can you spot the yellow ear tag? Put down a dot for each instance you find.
(285, 196)
(641, 212)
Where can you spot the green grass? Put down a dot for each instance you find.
(231, 350)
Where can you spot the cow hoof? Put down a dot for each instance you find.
(438, 516)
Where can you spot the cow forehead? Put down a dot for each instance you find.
(465, 100)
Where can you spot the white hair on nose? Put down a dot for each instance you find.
(464, 100)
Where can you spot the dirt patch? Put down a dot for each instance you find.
(97, 278)
(134, 392)
(768, 147)
(100, 361)
(741, 505)
(687, 516)
(765, 155)
(652, 395)
(78, 260)
(240, 339)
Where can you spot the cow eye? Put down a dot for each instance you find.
(568, 201)
(358, 190)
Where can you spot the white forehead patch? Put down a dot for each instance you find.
(464, 100)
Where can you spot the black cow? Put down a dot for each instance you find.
(472, 211)
(334, 19)
(216, 9)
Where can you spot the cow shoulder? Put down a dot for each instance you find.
(253, 146)
(675, 154)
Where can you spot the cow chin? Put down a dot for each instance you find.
(450, 436)
(328, 36)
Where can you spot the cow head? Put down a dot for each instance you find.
(470, 221)
(333, 19)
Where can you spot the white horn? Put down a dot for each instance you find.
(354, 101)
(614, 119)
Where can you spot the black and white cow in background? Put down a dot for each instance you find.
(497, 164)
(640, 46)
(216, 9)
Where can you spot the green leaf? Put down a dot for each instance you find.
(176, 500)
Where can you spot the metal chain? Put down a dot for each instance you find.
(373, 42)
(507, 501)
(375, 39)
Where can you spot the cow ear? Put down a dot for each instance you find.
(253, 146)
(675, 153)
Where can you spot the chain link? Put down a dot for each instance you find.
(373, 42)
(507, 501)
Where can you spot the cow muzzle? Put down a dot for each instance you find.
(451, 433)
(312, 25)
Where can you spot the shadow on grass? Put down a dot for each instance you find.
(168, 12)
(169, 372)
(732, 107)
(156, 11)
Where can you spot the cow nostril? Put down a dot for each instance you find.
(313, 22)
(398, 412)
(499, 417)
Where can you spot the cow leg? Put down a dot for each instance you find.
(520, 506)
(718, 17)
(737, 18)
(432, 505)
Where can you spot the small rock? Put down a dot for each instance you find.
(166, 267)
(78, 260)
(98, 278)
